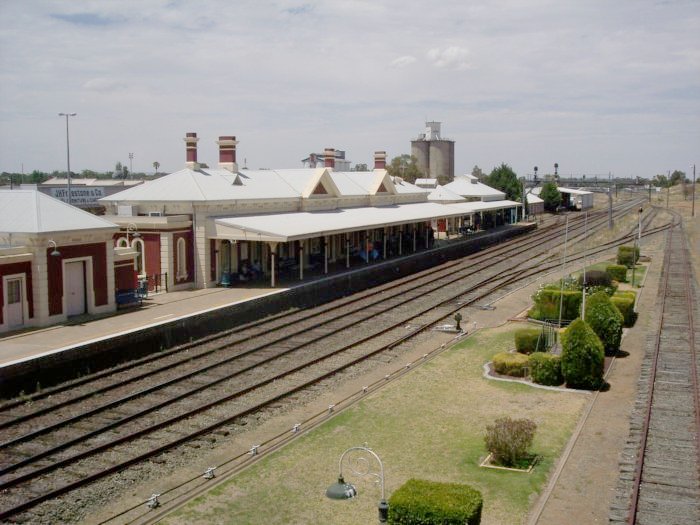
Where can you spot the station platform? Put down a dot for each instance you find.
(46, 356)
(156, 309)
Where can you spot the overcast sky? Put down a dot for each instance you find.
(596, 85)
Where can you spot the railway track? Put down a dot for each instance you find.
(98, 426)
(660, 471)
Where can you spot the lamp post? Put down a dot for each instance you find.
(359, 465)
(68, 150)
(535, 179)
(131, 165)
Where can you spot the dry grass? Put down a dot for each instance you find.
(429, 425)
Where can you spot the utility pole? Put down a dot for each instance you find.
(610, 221)
(668, 187)
(131, 165)
(692, 213)
(68, 152)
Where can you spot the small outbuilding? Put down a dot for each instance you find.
(56, 261)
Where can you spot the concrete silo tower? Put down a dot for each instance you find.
(436, 155)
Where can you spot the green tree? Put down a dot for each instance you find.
(360, 167)
(406, 167)
(677, 177)
(504, 178)
(37, 177)
(156, 165)
(120, 172)
(478, 173)
(551, 196)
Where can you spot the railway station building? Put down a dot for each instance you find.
(201, 227)
(56, 261)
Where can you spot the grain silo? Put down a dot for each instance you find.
(435, 155)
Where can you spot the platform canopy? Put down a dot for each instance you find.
(285, 227)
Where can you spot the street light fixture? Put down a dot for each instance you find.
(131, 227)
(68, 151)
(55, 252)
(359, 465)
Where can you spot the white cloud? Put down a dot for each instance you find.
(452, 57)
(403, 61)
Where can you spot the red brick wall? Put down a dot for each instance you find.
(12, 269)
(124, 276)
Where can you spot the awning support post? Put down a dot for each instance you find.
(384, 239)
(301, 260)
(325, 250)
(347, 251)
(273, 256)
(400, 239)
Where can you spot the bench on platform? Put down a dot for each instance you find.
(129, 297)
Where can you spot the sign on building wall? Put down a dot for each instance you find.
(78, 195)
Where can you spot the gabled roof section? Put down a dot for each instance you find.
(469, 186)
(320, 184)
(443, 194)
(30, 211)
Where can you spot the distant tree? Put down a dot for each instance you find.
(478, 173)
(551, 196)
(89, 174)
(660, 181)
(677, 177)
(37, 177)
(156, 165)
(406, 167)
(360, 167)
(120, 172)
(504, 178)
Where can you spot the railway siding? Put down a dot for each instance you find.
(659, 469)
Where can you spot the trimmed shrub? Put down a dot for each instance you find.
(422, 502)
(510, 364)
(582, 356)
(617, 272)
(509, 440)
(627, 255)
(545, 369)
(547, 304)
(605, 320)
(528, 340)
(595, 278)
(625, 305)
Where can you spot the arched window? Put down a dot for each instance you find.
(181, 259)
(137, 244)
(122, 242)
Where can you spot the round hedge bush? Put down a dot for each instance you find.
(528, 340)
(617, 272)
(510, 364)
(545, 369)
(582, 356)
(625, 304)
(605, 320)
(595, 278)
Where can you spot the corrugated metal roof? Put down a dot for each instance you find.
(284, 227)
(467, 186)
(443, 194)
(30, 211)
(205, 185)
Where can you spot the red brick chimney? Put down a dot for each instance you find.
(227, 153)
(379, 160)
(329, 157)
(191, 150)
